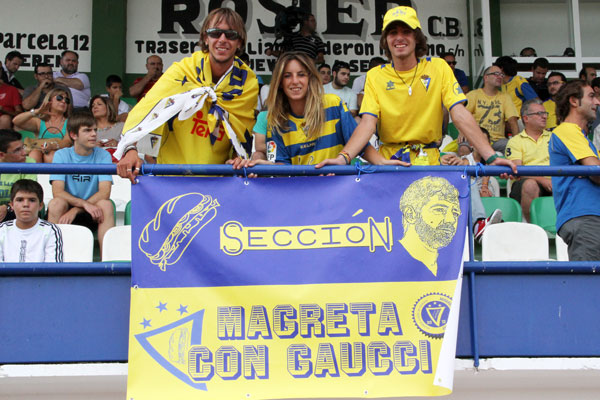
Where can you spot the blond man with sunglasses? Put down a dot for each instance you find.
(202, 106)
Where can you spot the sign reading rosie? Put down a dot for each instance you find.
(350, 31)
(323, 286)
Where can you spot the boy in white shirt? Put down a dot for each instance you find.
(29, 238)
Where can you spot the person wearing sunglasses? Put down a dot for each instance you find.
(49, 123)
(213, 92)
(459, 74)
(493, 109)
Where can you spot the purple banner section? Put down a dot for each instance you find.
(383, 227)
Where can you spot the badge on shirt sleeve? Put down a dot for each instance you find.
(271, 151)
(425, 80)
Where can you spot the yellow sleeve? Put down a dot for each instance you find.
(509, 107)
(452, 93)
(370, 103)
(577, 144)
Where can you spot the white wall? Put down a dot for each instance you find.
(589, 12)
(543, 25)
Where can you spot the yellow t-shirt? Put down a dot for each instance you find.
(550, 107)
(491, 112)
(415, 118)
(189, 141)
(530, 152)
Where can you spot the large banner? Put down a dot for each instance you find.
(349, 29)
(295, 287)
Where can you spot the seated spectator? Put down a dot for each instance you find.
(459, 74)
(11, 151)
(28, 238)
(530, 147)
(358, 86)
(141, 86)
(596, 123)
(538, 81)
(82, 199)
(12, 63)
(576, 197)
(555, 81)
(528, 52)
(305, 125)
(77, 82)
(259, 132)
(107, 128)
(587, 74)
(514, 85)
(49, 122)
(325, 73)
(10, 104)
(339, 86)
(479, 186)
(34, 95)
(491, 108)
(114, 87)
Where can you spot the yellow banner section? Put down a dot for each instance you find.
(236, 238)
(323, 340)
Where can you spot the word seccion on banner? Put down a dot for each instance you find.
(270, 289)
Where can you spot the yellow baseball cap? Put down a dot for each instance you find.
(408, 15)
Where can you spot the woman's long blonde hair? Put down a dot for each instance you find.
(277, 102)
(55, 92)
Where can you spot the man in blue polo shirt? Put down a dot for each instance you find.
(576, 197)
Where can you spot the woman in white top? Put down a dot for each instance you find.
(109, 130)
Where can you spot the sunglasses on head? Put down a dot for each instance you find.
(60, 97)
(216, 33)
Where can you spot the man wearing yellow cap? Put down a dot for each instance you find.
(404, 100)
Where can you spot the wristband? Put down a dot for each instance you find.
(491, 159)
(346, 156)
(130, 147)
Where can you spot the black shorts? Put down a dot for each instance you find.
(85, 219)
(517, 187)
